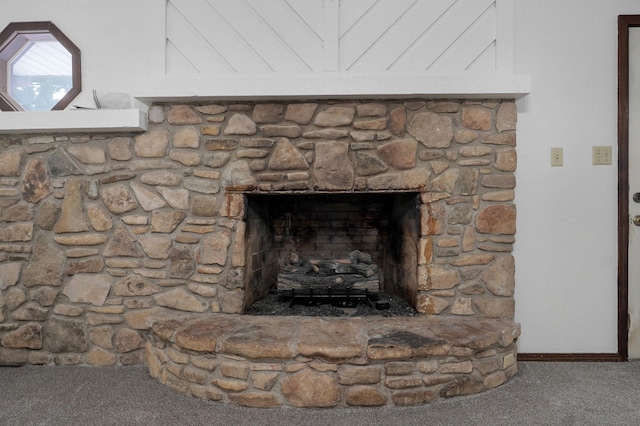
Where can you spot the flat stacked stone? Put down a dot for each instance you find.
(331, 362)
(98, 232)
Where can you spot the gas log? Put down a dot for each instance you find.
(357, 273)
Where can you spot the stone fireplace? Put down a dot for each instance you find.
(436, 177)
(148, 248)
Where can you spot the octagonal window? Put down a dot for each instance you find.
(39, 67)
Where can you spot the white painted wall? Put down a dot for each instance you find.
(566, 250)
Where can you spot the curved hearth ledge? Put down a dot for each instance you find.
(267, 361)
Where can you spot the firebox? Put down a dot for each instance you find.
(329, 227)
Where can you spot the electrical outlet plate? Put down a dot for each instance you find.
(601, 155)
(556, 157)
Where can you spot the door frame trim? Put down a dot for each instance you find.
(624, 23)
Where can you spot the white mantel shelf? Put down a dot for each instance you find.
(333, 86)
(266, 87)
(73, 121)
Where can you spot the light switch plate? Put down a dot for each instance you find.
(601, 155)
(556, 157)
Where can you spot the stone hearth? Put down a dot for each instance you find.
(330, 362)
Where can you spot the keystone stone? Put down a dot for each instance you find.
(333, 169)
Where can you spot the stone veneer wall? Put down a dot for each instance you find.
(100, 232)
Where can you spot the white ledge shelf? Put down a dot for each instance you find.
(301, 86)
(73, 121)
(332, 86)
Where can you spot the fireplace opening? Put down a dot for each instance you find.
(344, 247)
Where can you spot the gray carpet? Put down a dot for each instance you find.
(541, 394)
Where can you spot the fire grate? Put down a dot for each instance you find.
(340, 297)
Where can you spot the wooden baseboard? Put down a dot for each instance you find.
(578, 357)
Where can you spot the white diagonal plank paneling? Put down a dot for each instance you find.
(213, 37)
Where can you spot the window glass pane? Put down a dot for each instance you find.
(40, 75)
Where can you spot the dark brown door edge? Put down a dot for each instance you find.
(624, 23)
